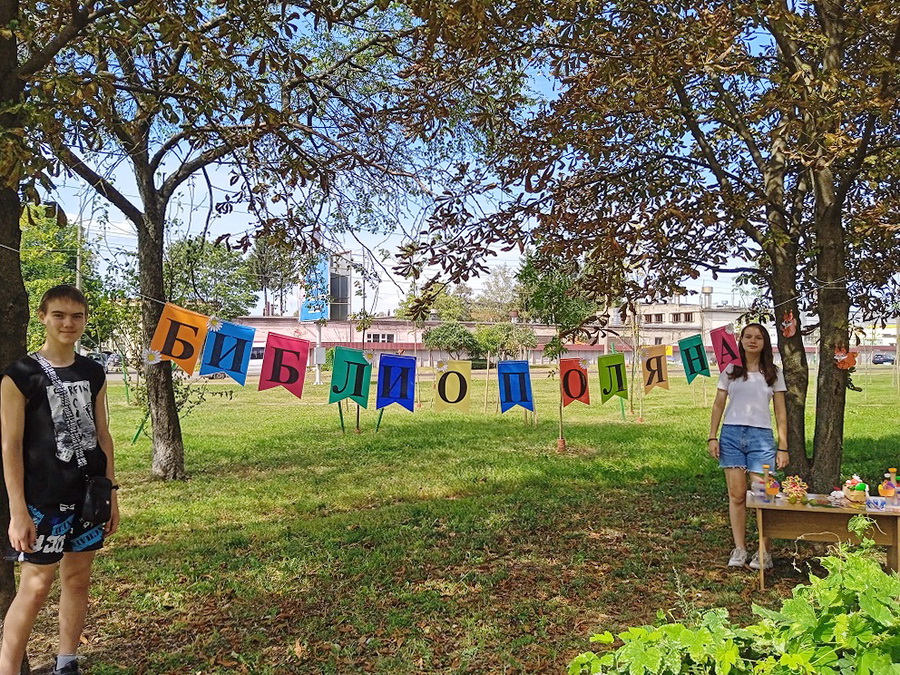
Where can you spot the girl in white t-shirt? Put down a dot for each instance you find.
(747, 442)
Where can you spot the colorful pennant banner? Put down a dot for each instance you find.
(725, 346)
(514, 378)
(655, 367)
(613, 377)
(179, 336)
(693, 357)
(227, 350)
(573, 381)
(396, 381)
(453, 384)
(284, 363)
(351, 375)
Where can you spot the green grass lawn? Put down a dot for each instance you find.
(441, 544)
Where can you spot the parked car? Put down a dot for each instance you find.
(113, 363)
(99, 357)
(883, 358)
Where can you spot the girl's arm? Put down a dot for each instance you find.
(717, 409)
(782, 457)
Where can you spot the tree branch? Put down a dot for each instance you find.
(100, 184)
(188, 168)
(740, 125)
(79, 21)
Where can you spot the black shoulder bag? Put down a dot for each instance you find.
(97, 505)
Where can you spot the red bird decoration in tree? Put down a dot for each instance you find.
(789, 325)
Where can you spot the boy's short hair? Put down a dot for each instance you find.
(63, 292)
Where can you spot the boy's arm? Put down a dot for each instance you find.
(22, 533)
(105, 441)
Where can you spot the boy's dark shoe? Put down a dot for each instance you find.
(70, 668)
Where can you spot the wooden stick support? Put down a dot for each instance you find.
(341, 413)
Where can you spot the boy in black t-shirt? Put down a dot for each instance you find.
(45, 477)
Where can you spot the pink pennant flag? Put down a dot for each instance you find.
(284, 363)
(725, 346)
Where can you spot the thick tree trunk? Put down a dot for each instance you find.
(834, 324)
(13, 300)
(793, 355)
(168, 446)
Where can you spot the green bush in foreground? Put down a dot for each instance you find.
(847, 622)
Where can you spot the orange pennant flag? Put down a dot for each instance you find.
(656, 368)
(179, 336)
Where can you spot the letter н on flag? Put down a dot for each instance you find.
(351, 375)
(613, 378)
(284, 363)
(693, 357)
(655, 367)
(515, 385)
(452, 383)
(573, 381)
(227, 350)
(179, 336)
(396, 381)
(725, 346)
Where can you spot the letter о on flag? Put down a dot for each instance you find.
(452, 385)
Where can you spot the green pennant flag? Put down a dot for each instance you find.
(613, 379)
(351, 375)
(693, 356)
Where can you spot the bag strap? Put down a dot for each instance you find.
(62, 393)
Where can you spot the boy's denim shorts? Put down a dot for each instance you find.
(746, 447)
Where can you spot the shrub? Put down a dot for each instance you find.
(847, 622)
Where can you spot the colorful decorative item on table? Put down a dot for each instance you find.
(795, 489)
(789, 325)
(876, 503)
(886, 488)
(771, 485)
(837, 498)
(856, 491)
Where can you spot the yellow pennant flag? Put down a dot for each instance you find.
(452, 385)
(179, 336)
(656, 368)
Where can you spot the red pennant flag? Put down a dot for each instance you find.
(573, 381)
(284, 363)
(725, 345)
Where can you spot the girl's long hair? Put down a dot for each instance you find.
(766, 357)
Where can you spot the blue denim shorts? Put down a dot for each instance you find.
(746, 447)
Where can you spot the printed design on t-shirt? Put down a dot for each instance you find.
(79, 395)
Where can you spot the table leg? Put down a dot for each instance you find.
(760, 551)
(893, 552)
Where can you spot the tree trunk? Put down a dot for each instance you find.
(168, 446)
(793, 356)
(13, 299)
(834, 324)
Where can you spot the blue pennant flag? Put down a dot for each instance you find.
(515, 385)
(396, 381)
(227, 350)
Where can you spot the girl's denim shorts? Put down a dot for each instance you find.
(744, 447)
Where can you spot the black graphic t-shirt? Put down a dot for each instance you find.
(48, 479)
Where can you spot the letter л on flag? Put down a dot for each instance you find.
(613, 377)
(351, 375)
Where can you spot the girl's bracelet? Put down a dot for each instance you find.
(712, 439)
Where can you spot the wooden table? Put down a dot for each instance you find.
(781, 520)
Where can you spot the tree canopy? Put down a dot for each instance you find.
(451, 337)
(690, 139)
